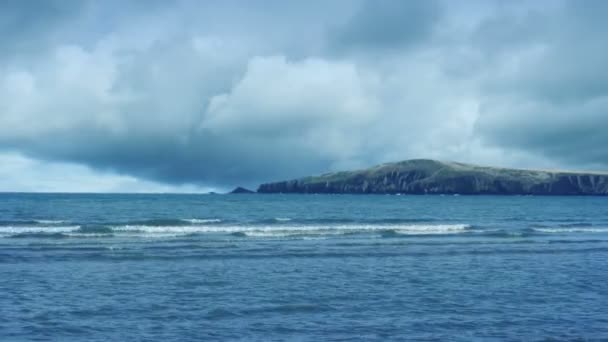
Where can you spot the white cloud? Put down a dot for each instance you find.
(317, 104)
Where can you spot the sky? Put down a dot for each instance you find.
(196, 96)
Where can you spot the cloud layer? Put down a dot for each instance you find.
(225, 93)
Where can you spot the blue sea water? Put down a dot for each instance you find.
(94, 267)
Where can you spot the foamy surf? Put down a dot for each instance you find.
(259, 231)
(274, 230)
(201, 221)
(40, 231)
(293, 231)
(571, 230)
(182, 230)
(37, 229)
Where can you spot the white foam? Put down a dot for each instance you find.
(289, 230)
(571, 230)
(282, 219)
(88, 235)
(33, 229)
(282, 230)
(296, 230)
(9, 231)
(434, 229)
(199, 221)
(176, 229)
(50, 221)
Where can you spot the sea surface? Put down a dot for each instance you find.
(93, 267)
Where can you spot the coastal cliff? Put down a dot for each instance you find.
(423, 176)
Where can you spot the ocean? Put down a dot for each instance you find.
(103, 267)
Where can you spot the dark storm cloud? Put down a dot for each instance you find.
(227, 92)
(26, 26)
(554, 98)
(386, 25)
(217, 160)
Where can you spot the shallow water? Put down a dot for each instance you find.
(313, 267)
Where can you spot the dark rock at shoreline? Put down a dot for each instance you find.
(423, 176)
(241, 190)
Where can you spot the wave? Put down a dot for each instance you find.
(284, 229)
(35, 235)
(169, 222)
(563, 230)
(269, 231)
(37, 229)
(507, 233)
(178, 222)
(353, 229)
(95, 229)
(32, 222)
(55, 231)
(201, 221)
(51, 222)
(576, 225)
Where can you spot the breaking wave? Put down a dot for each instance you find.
(32, 222)
(268, 231)
(10, 230)
(294, 231)
(277, 228)
(201, 221)
(564, 230)
(353, 229)
(172, 222)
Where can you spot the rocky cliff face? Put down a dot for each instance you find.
(423, 176)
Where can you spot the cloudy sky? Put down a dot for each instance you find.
(157, 96)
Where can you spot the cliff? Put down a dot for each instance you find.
(422, 176)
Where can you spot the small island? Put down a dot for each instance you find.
(425, 176)
(241, 190)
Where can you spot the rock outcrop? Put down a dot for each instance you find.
(241, 190)
(422, 176)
